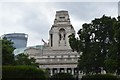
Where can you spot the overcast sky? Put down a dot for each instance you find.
(36, 18)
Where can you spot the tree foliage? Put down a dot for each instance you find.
(98, 42)
(24, 59)
(22, 72)
(7, 52)
(100, 77)
(113, 57)
(8, 58)
(62, 76)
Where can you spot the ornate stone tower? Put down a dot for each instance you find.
(60, 31)
(57, 57)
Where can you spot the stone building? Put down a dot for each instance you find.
(57, 56)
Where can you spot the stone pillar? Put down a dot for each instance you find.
(72, 71)
(58, 70)
(51, 71)
(65, 70)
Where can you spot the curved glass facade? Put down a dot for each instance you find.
(19, 39)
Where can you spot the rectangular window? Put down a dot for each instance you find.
(62, 17)
(51, 37)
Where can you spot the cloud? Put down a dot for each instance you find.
(37, 18)
(31, 18)
(59, 0)
(88, 10)
(119, 8)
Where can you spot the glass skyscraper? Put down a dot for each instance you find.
(19, 39)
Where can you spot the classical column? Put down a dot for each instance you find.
(51, 71)
(65, 70)
(55, 70)
(58, 70)
(72, 71)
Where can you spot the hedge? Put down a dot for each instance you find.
(22, 72)
(100, 77)
(62, 76)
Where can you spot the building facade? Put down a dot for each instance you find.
(19, 39)
(57, 56)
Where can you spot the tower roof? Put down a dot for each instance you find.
(62, 17)
(62, 11)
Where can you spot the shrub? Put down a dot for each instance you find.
(100, 77)
(62, 76)
(22, 72)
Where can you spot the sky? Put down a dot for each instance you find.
(35, 18)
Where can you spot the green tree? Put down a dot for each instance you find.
(24, 59)
(117, 36)
(100, 77)
(7, 52)
(113, 58)
(93, 43)
(62, 76)
(22, 72)
(73, 41)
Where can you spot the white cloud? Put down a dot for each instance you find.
(119, 8)
(35, 19)
(59, 0)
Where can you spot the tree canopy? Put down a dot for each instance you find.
(98, 41)
(7, 52)
(8, 58)
(62, 76)
(24, 59)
